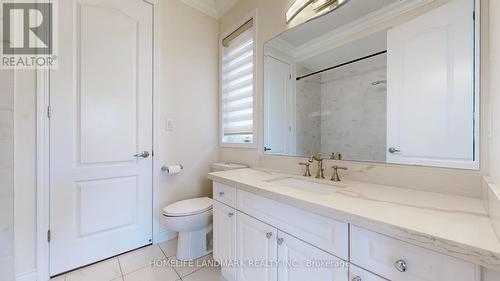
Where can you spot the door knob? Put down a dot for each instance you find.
(357, 278)
(230, 215)
(280, 241)
(143, 154)
(269, 235)
(393, 150)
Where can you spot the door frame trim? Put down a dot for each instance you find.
(43, 153)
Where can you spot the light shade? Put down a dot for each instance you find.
(296, 8)
(318, 7)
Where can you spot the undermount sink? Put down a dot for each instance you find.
(305, 185)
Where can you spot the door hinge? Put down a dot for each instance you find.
(49, 112)
(48, 236)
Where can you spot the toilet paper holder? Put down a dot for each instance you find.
(166, 169)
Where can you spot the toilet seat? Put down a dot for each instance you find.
(188, 207)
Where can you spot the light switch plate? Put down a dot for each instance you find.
(169, 125)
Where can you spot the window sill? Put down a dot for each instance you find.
(238, 145)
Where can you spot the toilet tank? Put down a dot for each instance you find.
(219, 167)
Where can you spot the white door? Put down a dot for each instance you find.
(101, 103)
(277, 96)
(299, 261)
(256, 246)
(224, 230)
(430, 66)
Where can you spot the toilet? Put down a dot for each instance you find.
(192, 219)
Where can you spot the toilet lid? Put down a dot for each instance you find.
(188, 207)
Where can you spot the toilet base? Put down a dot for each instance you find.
(194, 244)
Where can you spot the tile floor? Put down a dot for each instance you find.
(135, 266)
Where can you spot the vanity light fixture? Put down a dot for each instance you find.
(296, 8)
(319, 7)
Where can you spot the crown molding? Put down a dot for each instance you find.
(213, 8)
(203, 7)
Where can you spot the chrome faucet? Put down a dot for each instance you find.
(320, 173)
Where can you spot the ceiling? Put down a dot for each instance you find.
(350, 12)
(213, 8)
(365, 46)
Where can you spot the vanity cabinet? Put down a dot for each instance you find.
(299, 261)
(359, 274)
(224, 238)
(397, 260)
(273, 241)
(266, 252)
(257, 248)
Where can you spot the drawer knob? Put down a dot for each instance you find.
(357, 278)
(269, 235)
(221, 193)
(230, 215)
(280, 241)
(401, 265)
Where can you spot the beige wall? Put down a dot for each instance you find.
(25, 171)
(188, 88)
(188, 75)
(494, 60)
(6, 175)
(270, 22)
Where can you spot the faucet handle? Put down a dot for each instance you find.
(336, 156)
(307, 172)
(311, 158)
(335, 176)
(339, 168)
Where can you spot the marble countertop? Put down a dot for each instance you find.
(454, 225)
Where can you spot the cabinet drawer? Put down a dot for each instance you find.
(388, 257)
(329, 235)
(358, 274)
(225, 194)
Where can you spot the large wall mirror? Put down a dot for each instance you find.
(390, 81)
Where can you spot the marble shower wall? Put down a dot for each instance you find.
(353, 111)
(6, 175)
(308, 114)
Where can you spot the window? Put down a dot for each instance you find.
(237, 86)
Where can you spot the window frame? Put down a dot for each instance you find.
(252, 144)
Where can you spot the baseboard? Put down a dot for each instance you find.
(164, 235)
(31, 275)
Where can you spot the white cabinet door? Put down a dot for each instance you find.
(256, 250)
(101, 100)
(224, 231)
(430, 91)
(359, 274)
(276, 106)
(299, 261)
